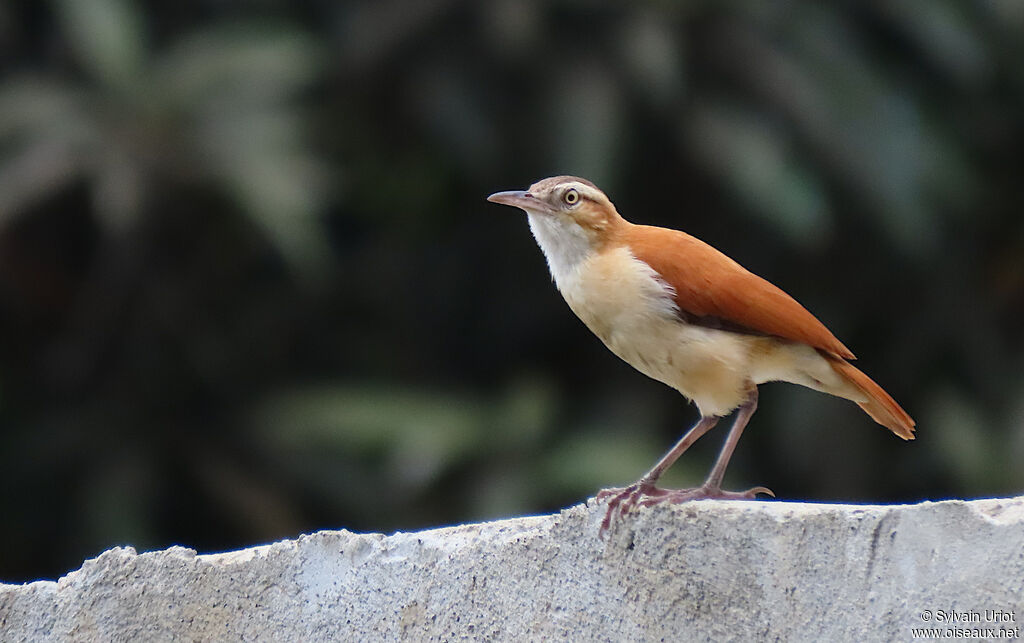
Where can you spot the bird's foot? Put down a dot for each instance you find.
(705, 492)
(622, 500)
(645, 494)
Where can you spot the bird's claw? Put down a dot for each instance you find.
(706, 493)
(624, 500)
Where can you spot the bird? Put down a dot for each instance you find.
(685, 314)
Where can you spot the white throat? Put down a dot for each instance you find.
(564, 243)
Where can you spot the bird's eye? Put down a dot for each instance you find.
(571, 196)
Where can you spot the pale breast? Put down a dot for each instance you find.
(624, 302)
(615, 294)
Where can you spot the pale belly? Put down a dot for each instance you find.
(632, 311)
(708, 366)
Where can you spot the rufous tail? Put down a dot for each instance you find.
(879, 405)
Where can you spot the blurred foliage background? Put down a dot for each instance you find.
(250, 287)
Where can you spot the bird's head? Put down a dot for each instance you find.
(568, 200)
(569, 216)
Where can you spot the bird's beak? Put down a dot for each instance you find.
(522, 200)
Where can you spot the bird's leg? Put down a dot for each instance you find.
(644, 493)
(712, 487)
(624, 499)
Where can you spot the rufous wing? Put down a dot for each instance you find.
(711, 286)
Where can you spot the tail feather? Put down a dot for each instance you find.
(879, 404)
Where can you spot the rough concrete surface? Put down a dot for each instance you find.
(708, 570)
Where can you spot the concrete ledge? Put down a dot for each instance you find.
(705, 570)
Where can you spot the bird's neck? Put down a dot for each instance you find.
(565, 244)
